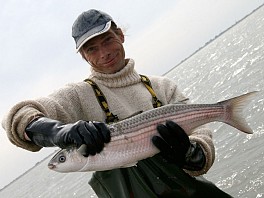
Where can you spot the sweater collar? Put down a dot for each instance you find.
(126, 76)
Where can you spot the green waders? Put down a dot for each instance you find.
(152, 177)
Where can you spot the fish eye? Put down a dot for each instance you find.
(62, 158)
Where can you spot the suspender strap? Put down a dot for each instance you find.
(146, 81)
(110, 118)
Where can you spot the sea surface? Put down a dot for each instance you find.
(228, 66)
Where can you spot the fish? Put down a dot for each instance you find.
(131, 137)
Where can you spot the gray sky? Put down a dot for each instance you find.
(37, 53)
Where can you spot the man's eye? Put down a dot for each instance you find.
(109, 39)
(91, 49)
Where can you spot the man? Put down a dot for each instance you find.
(75, 115)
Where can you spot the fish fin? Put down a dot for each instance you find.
(235, 108)
(82, 149)
(183, 101)
(129, 165)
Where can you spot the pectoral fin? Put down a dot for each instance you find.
(129, 165)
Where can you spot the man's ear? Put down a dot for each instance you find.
(119, 32)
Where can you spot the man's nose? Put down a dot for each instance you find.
(104, 53)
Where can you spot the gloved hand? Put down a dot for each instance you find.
(175, 147)
(46, 132)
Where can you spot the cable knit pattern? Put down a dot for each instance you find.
(125, 94)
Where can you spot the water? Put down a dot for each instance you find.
(230, 65)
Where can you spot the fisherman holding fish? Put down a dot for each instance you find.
(80, 114)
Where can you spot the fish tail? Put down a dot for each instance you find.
(234, 108)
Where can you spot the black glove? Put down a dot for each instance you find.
(175, 147)
(46, 132)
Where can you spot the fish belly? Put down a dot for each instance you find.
(124, 151)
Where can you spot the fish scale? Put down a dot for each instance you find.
(131, 138)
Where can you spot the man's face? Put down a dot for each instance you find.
(105, 52)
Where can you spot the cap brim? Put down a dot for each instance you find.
(93, 33)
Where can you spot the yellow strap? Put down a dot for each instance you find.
(102, 101)
(110, 117)
(146, 82)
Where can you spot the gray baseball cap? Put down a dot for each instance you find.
(88, 25)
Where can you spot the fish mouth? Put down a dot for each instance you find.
(51, 166)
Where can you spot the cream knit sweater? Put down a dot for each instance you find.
(125, 94)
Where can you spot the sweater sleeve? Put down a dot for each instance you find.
(203, 136)
(18, 118)
(62, 105)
